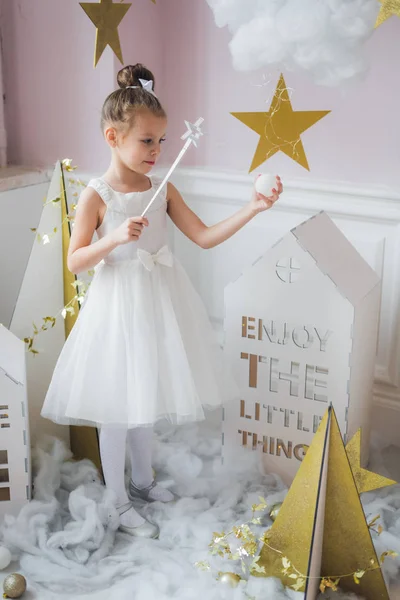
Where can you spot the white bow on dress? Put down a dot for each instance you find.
(162, 257)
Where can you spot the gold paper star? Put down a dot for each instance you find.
(365, 480)
(106, 16)
(280, 128)
(388, 9)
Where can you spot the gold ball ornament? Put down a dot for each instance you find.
(275, 508)
(231, 579)
(14, 586)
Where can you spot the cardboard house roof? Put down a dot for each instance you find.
(12, 355)
(336, 257)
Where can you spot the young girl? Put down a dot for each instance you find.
(142, 348)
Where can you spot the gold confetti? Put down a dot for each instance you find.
(328, 583)
(358, 574)
(203, 565)
(67, 164)
(384, 555)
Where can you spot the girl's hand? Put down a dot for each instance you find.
(130, 230)
(259, 203)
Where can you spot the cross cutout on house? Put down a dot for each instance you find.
(288, 270)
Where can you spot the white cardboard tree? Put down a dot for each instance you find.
(300, 332)
(41, 295)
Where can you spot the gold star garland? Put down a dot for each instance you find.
(247, 554)
(74, 300)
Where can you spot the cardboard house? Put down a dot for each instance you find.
(301, 329)
(15, 462)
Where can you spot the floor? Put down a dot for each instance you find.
(389, 461)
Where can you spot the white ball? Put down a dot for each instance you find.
(5, 557)
(265, 183)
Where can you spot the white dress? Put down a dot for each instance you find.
(142, 348)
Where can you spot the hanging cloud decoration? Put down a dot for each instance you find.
(324, 38)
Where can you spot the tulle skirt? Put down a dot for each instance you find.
(142, 350)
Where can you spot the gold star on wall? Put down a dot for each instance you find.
(365, 480)
(106, 16)
(280, 127)
(388, 9)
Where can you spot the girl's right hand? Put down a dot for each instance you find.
(130, 230)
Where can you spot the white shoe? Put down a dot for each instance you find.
(145, 530)
(144, 493)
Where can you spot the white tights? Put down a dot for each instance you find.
(112, 452)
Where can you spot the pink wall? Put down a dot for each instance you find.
(358, 142)
(141, 38)
(54, 95)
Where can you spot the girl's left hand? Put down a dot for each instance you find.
(259, 203)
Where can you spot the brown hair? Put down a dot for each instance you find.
(122, 104)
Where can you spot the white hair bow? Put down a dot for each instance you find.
(146, 85)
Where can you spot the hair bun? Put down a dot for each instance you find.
(131, 74)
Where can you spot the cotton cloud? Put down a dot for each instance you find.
(323, 38)
(67, 539)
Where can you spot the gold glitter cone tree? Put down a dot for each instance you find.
(84, 440)
(321, 530)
